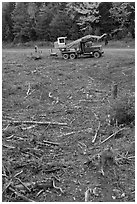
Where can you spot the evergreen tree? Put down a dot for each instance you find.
(26, 21)
(60, 25)
(44, 19)
(123, 14)
(7, 23)
(88, 15)
(105, 20)
(22, 25)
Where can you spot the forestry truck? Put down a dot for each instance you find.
(81, 47)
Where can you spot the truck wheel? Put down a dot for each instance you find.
(72, 56)
(65, 56)
(96, 54)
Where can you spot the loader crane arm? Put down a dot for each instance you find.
(85, 39)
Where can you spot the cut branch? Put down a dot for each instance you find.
(17, 174)
(95, 136)
(7, 146)
(28, 89)
(56, 187)
(7, 186)
(37, 123)
(113, 135)
(28, 128)
(67, 134)
(5, 128)
(51, 143)
(87, 194)
(41, 191)
(29, 92)
(23, 184)
(26, 185)
(20, 195)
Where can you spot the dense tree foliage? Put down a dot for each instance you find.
(60, 25)
(22, 24)
(30, 21)
(123, 15)
(43, 20)
(7, 22)
(106, 21)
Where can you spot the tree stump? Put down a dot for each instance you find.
(114, 91)
(36, 48)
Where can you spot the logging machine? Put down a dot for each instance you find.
(81, 47)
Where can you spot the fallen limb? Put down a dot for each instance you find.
(132, 157)
(23, 184)
(74, 132)
(3, 170)
(96, 116)
(98, 90)
(29, 93)
(54, 177)
(83, 147)
(82, 144)
(26, 185)
(113, 135)
(51, 170)
(7, 146)
(17, 174)
(7, 186)
(56, 187)
(126, 158)
(37, 123)
(56, 166)
(6, 127)
(66, 134)
(28, 89)
(28, 128)
(87, 195)
(95, 136)
(45, 184)
(51, 143)
(41, 191)
(8, 138)
(49, 183)
(20, 195)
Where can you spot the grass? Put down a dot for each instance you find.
(76, 92)
(127, 42)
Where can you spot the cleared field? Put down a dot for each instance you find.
(52, 109)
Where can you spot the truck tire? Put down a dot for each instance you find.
(96, 54)
(65, 56)
(72, 56)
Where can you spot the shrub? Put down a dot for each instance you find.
(122, 111)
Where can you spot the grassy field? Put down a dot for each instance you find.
(56, 127)
(123, 43)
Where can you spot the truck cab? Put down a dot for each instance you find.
(60, 43)
(87, 48)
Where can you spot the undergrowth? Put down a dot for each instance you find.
(122, 110)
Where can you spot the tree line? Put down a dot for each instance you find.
(31, 21)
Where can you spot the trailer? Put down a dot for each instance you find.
(81, 47)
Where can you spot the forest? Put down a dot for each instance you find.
(45, 21)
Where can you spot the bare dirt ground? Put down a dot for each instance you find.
(56, 128)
